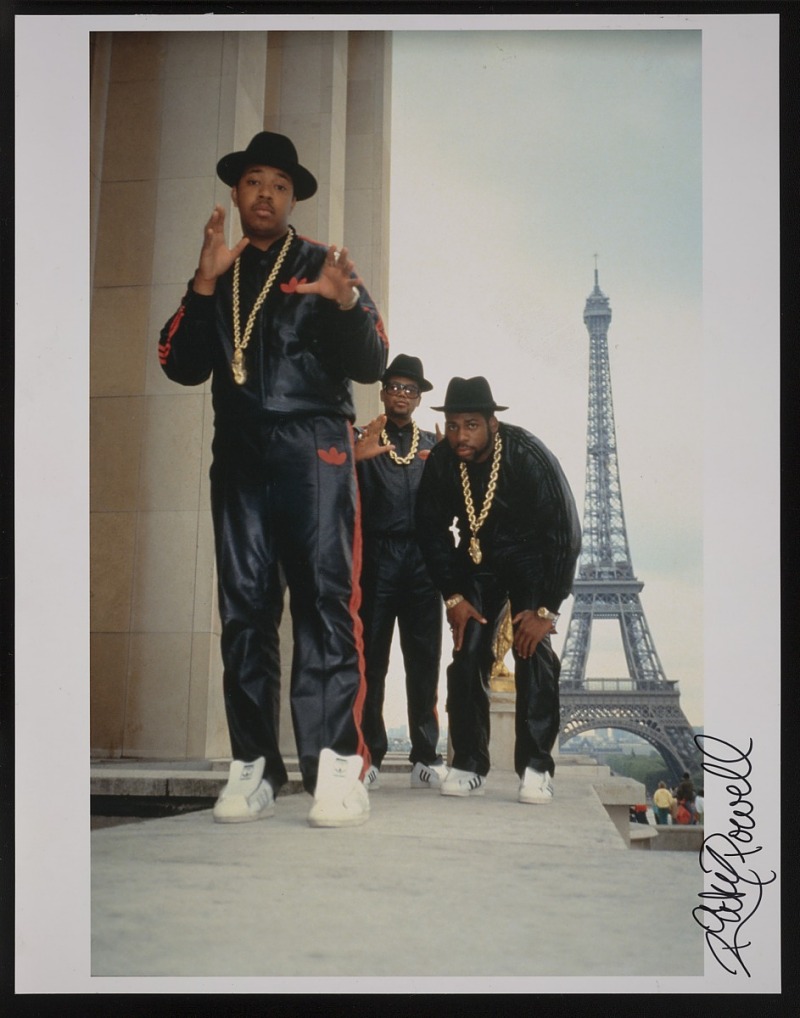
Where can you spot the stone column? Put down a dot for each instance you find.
(167, 106)
(330, 93)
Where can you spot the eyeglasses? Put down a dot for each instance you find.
(397, 387)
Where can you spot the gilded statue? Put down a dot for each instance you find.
(502, 679)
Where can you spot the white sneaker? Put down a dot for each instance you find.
(463, 783)
(428, 775)
(372, 779)
(340, 799)
(246, 796)
(535, 786)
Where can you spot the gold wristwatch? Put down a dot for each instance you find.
(545, 613)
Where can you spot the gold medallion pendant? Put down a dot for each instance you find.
(237, 366)
(475, 552)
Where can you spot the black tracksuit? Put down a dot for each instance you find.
(530, 543)
(284, 499)
(396, 586)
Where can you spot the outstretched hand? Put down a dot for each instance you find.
(336, 279)
(369, 445)
(215, 255)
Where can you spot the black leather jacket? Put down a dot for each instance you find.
(389, 490)
(531, 537)
(303, 351)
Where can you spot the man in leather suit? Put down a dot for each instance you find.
(282, 324)
(395, 583)
(519, 540)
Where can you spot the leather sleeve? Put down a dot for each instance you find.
(546, 494)
(187, 341)
(359, 339)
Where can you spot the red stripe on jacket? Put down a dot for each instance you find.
(165, 345)
(358, 625)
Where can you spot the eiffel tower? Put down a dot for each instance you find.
(644, 702)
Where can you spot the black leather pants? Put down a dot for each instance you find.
(285, 512)
(537, 703)
(396, 587)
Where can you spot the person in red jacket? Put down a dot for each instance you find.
(282, 324)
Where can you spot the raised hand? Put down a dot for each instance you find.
(336, 280)
(369, 445)
(215, 255)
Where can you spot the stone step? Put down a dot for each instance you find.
(189, 779)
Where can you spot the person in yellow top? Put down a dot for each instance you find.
(663, 803)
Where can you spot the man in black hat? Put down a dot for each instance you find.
(519, 540)
(395, 583)
(282, 324)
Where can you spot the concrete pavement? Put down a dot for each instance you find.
(429, 886)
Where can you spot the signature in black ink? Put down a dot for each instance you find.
(737, 890)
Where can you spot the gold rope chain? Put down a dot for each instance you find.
(403, 461)
(240, 344)
(475, 525)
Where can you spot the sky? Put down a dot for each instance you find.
(542, 150)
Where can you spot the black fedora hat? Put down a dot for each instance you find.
(465, 394)
(268, 149)
(408, 367)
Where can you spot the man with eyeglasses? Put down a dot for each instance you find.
(395, 583)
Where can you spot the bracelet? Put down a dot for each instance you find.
(451, 602)
(351, 303)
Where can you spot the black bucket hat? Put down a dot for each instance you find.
(465, 394)
(408, 367)
(268, 149)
